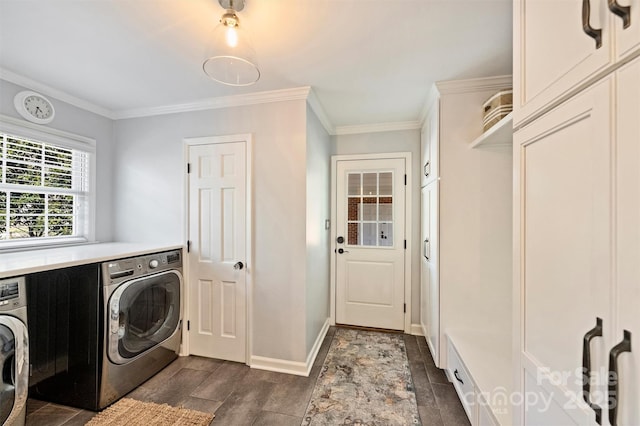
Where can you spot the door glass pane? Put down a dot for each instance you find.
(370, 184)
(149, 314)
(354, 183)
(369, 234)
(386, 183)
(352, 238)
(354, 208)
(385, 234)
(385, 211)
(370, 209)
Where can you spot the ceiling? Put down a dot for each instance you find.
(368, 61)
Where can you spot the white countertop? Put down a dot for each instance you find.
(30, 261)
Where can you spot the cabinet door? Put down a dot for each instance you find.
(429, 145)
(565, 250)
(434, 143)
(627, 39)
(431, 264)
(424, 264)
(552, 53)
(628, 238)
(425, 150)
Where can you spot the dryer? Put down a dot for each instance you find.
(142, 320)
(14, 351)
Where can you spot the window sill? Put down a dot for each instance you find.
(45, 243)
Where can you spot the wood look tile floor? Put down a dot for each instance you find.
(241, 396)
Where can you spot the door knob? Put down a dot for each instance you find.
(238, 266)
(342, 251)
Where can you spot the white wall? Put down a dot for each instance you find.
(475, 221)
(318, 210)
(84, 123)
(396, 141)
(149, 190)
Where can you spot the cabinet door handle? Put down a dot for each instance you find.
(425, 249)
(594, 33)
(623, 346)
(455, 374)
(586, 367)
(622, 11)
(427, 168)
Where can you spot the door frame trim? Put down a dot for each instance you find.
(247, 138)
(408, 226)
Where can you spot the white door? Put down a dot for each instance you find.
(217, 235)
(628, 240)
(425, 300)
(370, 254)
(566, 270)
(430, 259)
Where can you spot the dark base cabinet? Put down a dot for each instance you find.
(63, 310)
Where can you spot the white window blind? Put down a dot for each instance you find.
(44, 190)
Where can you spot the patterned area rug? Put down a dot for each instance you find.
(129, 412)
(365, 380)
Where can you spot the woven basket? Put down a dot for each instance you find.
(496, 108)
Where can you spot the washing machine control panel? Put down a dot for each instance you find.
(126, 269)
(12, 293)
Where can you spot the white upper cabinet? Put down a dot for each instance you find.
(429, 145)
(562, 46)
(627, 30)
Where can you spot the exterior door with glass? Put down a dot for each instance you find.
(370, 243)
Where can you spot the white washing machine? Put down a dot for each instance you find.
(14, 352)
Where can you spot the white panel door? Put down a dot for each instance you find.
(628, 240)
(370, 214)
(566, 198)
(217, 228)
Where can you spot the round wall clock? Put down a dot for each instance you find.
(34, 107)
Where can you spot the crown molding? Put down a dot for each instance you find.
(463, 86)
(36, 86)
(299, 93)
(377, 127)
(474, 84)
(316, 106)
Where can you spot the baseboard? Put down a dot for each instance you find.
(416, 330)
(292, 367)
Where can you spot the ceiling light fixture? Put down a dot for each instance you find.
(232, 60)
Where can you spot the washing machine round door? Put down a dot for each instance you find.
(14, 343)
(143, 313)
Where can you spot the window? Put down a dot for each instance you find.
(45, 195)
(370, 209)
